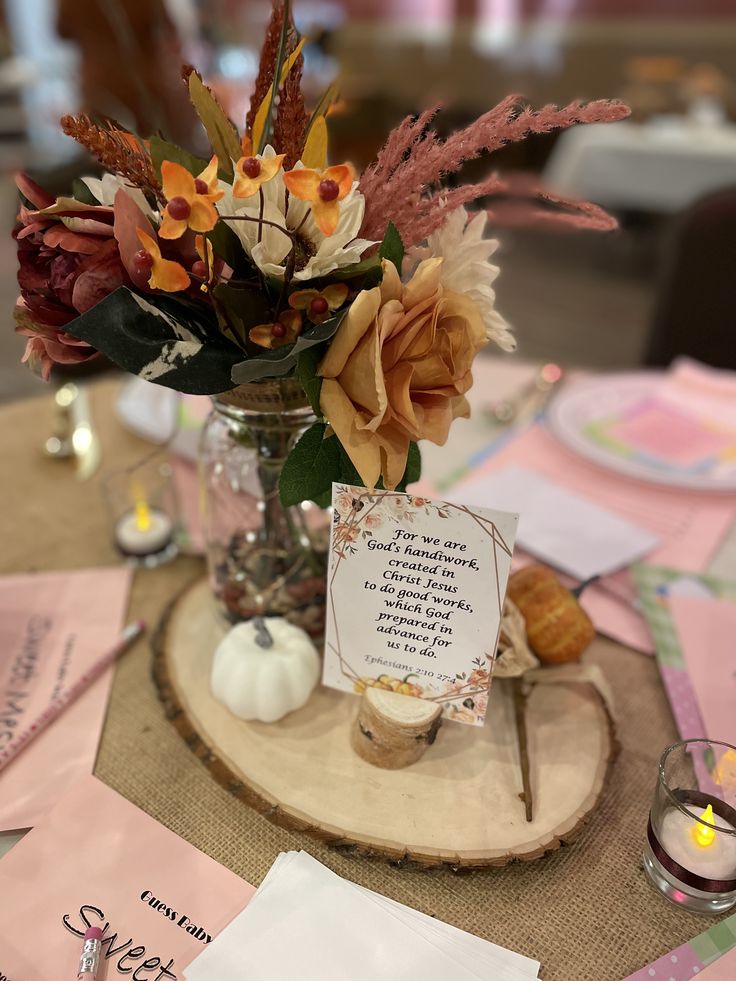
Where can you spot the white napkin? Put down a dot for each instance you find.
(563, 528)
(148, 410)
(306, 922)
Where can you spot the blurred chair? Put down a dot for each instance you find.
(695, 309)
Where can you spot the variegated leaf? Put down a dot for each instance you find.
(170, 342)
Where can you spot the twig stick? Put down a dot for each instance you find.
(520, 719)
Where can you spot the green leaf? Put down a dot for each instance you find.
(233, 314)
(249, 307)
(162, 150)
(323, 500)
(221, 132)
(82, 193)
(356, 269)
(282, 360)
(168, 341)
(226, 245)
(413, 467)
(392, 248)
(310, 468)
(306, 371)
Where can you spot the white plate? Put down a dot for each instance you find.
(594, 399)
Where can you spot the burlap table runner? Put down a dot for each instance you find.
(586, 911)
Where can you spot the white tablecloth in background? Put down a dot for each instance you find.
(662, 165)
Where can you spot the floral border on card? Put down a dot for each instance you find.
(357, 514)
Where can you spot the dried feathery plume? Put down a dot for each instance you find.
(522, 203)
(266, 65)
(292, 118)
(403, 185)
(118, 150)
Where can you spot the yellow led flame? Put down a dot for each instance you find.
(142, 511)
(705, 836)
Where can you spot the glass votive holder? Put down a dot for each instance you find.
(690, 851)
(144, 512)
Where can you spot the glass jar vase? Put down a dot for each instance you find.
(264, 559)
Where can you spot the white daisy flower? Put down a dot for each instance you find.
(466, 269)
(316, 254)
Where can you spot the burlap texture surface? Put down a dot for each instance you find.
(586, 911)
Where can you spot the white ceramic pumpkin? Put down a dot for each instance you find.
(264, 669)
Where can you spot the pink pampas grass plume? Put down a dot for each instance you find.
(403, 185)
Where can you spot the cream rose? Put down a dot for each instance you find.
(398, 369)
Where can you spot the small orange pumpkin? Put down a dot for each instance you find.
(557, 627)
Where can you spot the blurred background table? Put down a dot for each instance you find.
(662, 165)
(586, 911)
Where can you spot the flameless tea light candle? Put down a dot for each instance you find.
(143, 530)
(690, 854)
(143, 510)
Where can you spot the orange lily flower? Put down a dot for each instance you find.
(166, 275)
(252, 172)
(191, 200)
(204, 267)
(284, 331)
(323, 189)
(319, 306)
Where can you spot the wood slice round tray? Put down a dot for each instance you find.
(459, 806)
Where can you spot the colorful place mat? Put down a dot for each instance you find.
(685, 962)
(654, 586)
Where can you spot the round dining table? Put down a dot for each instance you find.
(585, 910)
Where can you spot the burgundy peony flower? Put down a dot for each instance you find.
(65, 269)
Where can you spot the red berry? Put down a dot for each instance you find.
(179, 209)
(318, 306)
(200, 186)
(328, 189)
(278, 330)
(143, 260)
(251, 167)
(199, 269)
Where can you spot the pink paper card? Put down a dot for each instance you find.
(706, 629)
(96, 860)
(53, 627)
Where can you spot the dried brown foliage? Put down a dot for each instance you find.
(268, 59)
(292, 118)
(116, 149)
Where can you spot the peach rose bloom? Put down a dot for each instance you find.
(398, 369)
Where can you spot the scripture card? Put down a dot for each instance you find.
(415, 597)
(96, 860)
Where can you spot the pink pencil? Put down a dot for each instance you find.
(127, 638)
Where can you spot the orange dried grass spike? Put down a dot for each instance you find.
(118, 150)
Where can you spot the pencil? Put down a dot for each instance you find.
(131, 633)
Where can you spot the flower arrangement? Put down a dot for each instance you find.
(374, 291)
